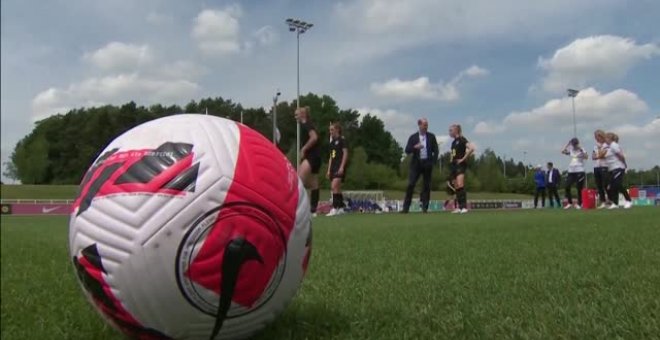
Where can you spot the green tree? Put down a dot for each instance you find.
(10, 170)
(379, 144)
(488, 167)
(366, 175)
(31, 160)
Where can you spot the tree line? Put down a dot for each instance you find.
(60, 148)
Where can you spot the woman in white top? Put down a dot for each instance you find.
(628, 203)
(600, 168)
(616, 165)
(576, 173)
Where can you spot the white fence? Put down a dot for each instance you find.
(33, 201)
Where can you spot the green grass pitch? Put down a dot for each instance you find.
(485, 275)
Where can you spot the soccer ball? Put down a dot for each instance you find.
(190, 227)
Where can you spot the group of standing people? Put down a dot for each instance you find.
(310, 164)
(609, 170)
(609, 156)
(423, 146)
(609, 167)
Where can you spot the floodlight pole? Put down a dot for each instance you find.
(299, 27)
(297, 97)
(525, 162)
(504, 165)
(574, 124)
(573, 93)
(274, 116)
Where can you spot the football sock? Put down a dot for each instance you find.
(626, 195)
(335, 201)
(314, 200)
(460, 197)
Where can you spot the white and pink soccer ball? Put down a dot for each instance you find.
(190, 227)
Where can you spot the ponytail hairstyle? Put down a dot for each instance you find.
(458, 128)
(337, 127)
(611, 136)
(599, 134)
(303, 112)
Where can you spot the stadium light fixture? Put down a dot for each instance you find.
(573, 93)
(300, 27)
(276, 137)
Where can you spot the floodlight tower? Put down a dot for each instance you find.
(573, 93)
(274, 117)
(299, 27)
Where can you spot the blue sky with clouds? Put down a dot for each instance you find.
(500, 68)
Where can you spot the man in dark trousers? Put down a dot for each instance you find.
(539, 179)
(424, 149)
(552, 183)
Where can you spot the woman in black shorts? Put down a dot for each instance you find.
(337, 168)
(310, 163)
(461, 150)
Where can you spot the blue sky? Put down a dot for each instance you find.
(500, 68)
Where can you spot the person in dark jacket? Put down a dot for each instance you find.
(552, 183)
(539, 179)
(423, 147)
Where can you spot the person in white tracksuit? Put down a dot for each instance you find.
(576, 174)
(600, 169)
(616, 166)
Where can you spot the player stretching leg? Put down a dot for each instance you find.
(461, 150)
(310, 163)
(337, 168)
(451, 192)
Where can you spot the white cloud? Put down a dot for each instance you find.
(476, 71)
(118, 56)
(115, 89)
(400, 125)
(465, 18)
(180, 69)
(217, 31)
(640, 143)
(380, 27)
(422, 88)
(523, 144)
(123, 72)
(592, 108)
(588, 60)
(487, 128)
(544, 129)
(443, 142)
(266, 35)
